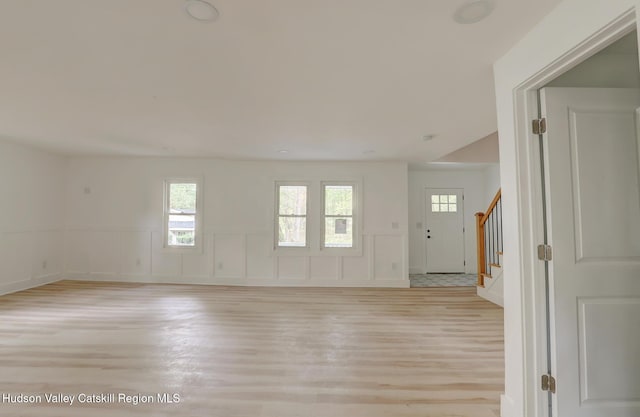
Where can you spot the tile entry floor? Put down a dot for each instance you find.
(443, 280)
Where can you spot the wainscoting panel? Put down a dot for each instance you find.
(199, 265)
(226, 259)
(29, 259)
(105, 252)
(18, 252)
(48, 253)
(357, 267)
(388, 255)
(229, 255)
(77, 251)
(260, 261)
(323, 267)
(292, 267)
(135, 253)
(163, 262)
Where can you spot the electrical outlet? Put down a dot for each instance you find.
(220, 265)
(44, 264)
(395, 225)
(87, 190)
(138, 262)
(394, 266)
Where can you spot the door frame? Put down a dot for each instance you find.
(529, 206)
(425, 207)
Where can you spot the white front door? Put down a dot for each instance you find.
(444, 230)
(593, 205)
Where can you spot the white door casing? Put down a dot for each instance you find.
(593, 205)
(444, 230)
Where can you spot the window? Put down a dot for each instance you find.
(291, 219)
(182, 214)
(444, 203)
(337, 213)
(323, 217)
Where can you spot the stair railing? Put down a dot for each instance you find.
(489, 237)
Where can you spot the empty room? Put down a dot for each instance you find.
(306, 209)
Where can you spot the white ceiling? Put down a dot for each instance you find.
(325, 80)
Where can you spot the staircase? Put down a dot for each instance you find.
(489, 244)
(492, 288)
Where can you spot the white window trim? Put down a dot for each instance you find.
(198, 247)
(356, 216)
(276, 220)
(441, 204)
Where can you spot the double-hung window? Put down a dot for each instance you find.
(182, 214)
(338, 210)
(291, 217)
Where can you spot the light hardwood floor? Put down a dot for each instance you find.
(253, 352)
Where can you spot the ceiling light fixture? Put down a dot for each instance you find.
(283, 151)
(473, 11)
(201, 10)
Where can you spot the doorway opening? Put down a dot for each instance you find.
(444, 240)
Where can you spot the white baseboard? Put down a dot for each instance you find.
(26, 284)
(242, 281)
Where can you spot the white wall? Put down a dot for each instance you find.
(551, 40)
(491, 177)
(115, 231)
(31, 217)
(473, 182)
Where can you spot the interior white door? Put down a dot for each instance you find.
(444, 230)
(593, 204)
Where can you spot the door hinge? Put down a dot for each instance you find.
(544, 252)
(548, 383)
(539, 126)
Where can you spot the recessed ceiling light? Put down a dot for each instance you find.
(201, 10)
(428, 137)
(473, 11)
(283, 151)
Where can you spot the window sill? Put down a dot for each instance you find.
(191, 250)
